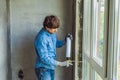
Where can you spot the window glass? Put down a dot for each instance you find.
(116, 63)
(86, 71)
(97, 77)
(119, 45)
(119, 65)
(98, 29)
(87, 25)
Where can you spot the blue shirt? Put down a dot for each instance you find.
(45, 46)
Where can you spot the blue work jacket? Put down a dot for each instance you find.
(45, 46)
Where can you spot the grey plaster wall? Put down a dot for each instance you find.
(3, 41)
(26, 17)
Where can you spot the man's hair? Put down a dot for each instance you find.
(51, 21)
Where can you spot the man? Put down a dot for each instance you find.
(45, 46)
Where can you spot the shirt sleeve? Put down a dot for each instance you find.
(41, 48)
(60, 43)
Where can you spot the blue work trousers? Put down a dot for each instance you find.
(44, 74)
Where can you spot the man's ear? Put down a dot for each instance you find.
(45, 27)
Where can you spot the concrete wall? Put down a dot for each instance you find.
(26, 17)
(78, 39)
(3, 41)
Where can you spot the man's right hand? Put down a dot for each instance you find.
(66, 63)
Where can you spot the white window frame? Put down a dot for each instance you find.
(114, 28)
(101, 70)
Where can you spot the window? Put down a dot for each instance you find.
(116, 53)
(94, 40)
(96, 76)
(101, 40)
(98, 30)
(86, 66)
(87, 28)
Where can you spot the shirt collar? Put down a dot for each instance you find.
(46, 32)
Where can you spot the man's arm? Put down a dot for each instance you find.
(60, 43)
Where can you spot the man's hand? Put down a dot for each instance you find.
(65, 63)
(68, 35)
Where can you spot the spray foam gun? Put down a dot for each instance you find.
(69, 39)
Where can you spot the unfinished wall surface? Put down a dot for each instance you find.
(78, 39)
(3, 41)
(26, 17)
